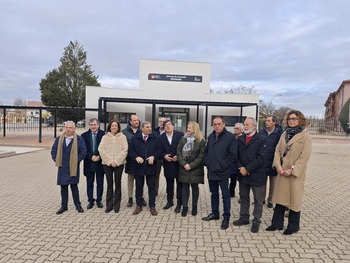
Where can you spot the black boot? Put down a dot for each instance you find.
(168, 205)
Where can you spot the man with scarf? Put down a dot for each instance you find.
(220, 154)
(67, 152)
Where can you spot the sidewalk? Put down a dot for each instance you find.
(30, 231)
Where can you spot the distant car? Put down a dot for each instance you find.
(81, 124)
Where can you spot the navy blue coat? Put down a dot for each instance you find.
(138, 148)
(271, 142)
(171, 169)
(220, 154)
(252, 156)
(63, 174)
(90, 166)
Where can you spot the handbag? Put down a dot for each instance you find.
(285, 153)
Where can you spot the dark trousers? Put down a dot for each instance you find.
(170, 182)
(186, 194)
(214, 189)
(75, 194)
(113, 198)
(233, 183)
(90, 179)
(159, 170)
(293, 218)
(258, 194)
(151, 184)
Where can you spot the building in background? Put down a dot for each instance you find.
(185, 84)
(334, 104)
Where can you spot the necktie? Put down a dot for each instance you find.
(94, 142)
(145, 138)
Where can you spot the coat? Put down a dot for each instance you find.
(63, 173)
(129, 133)
(251, 156)
(196, 174)
(271, 141)
(289, 190)
(113, 148)
(90, 166)
(220, 154)
(171, 169)
(138, 148)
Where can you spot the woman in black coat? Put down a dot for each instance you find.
(190, 154)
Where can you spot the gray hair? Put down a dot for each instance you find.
(240, 125)
(94, 119)
(69, 122)
(253, 120)
(143, 124)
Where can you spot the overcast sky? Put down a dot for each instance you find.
(293, 52)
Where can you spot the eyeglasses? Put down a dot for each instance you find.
(292, 119)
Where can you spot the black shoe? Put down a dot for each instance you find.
(194, 210)
(130, 202)
(143, 202)
(255, 228)
(61, 210)
(116, 210)
(288, 232)
(80, 209)
(99, 205)
(168, 205)
(177, 209)
(232, 195)
(240, 222)
(90, 205)
(269, 205)
(273, 228)
(225, 223)
(184, 211)
(108, 210)
(211, 216)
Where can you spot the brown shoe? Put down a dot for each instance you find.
(137, 210)
(153, 211)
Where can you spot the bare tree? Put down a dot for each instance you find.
(237, 90)
(19, 102)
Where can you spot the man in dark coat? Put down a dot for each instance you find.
(250, 162)
(132, 129)
(145, 151)
(168, 142)
(220, 154)
(272, 133)
(67, 152)
(93, 169)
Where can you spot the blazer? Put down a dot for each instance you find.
(171, 169)
(90, 166)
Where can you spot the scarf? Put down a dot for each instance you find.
(291, 131)
(73, 157)
(188, 147)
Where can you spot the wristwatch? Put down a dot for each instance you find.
(293, 167)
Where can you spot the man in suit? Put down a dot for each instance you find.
(145, 152)
(168, 142)
(93, 169)
(67, 152)
(158, 132)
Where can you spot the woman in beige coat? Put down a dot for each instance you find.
(113, 150)
(291, 156)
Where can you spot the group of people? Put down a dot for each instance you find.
(277, 153)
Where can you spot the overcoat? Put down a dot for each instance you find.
(89, 165)
(171, 169)
(196, 174)
(289, 190)
(139, 148)
(63, 173)
(220, 154)
(129, 133)
(113, 148)
(252, 156)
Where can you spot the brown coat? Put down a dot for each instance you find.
(289, 190)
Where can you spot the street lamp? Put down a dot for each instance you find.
(276, 95)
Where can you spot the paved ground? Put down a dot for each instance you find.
(30, 231)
